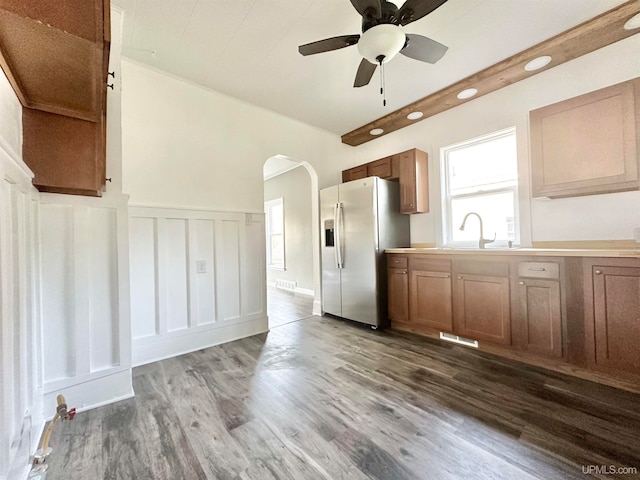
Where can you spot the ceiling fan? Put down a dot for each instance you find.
(383, 37)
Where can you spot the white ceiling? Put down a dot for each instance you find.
(248, 49)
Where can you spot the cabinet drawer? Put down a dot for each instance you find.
(397, 262)
(430, 264)
(538, 270)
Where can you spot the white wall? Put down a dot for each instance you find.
(21, 419)
(192, 151)
(597, 217)
(186, 146)
(177, 309)
(85, 299)
(294, 187)
(85, 278)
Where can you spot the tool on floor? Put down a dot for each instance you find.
(39, 469)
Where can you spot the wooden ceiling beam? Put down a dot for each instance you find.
(587, 37)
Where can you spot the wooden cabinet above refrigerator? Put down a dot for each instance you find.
(409, 168)
(55, 55)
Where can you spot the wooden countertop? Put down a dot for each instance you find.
(543, 252)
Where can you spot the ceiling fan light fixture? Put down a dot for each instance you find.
(384, 41)
(467, 93)
(633, 22)
(376, 131)
(537, 63)
(415, 115)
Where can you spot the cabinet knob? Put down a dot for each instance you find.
(446, 276)
(411, 204)
(598, 272)
(520, 283)
(404, 272)
(459, 277)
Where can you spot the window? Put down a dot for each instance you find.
(274, 210)
(481, 176)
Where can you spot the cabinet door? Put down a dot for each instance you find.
(355, 173)
(539, 317)
(588, 144)
(380, 168)
(398, 294)
(407, 182)
(481, 308)
(430, 302)
(616, 306)
(414, 181)
(66, 154)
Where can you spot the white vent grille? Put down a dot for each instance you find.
(286, 284)
(456, 339)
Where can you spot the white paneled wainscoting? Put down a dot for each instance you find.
(85, 299)
(21, 419)
(197, 279)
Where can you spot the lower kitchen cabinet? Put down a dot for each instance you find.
(430, 302)
(482, 308)
(538, 317)
(576, 315)
(398, 293)
(613, 316)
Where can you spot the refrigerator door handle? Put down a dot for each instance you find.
(339, 241)
(336, 235)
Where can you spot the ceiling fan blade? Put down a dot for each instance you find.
(328, 44)
(413, 10)
(365, 72)
(368, 8)
(423, 48)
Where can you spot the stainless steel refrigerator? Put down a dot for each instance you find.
(359, 220)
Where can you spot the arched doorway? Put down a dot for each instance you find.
(291, 191)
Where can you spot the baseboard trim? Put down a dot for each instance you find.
(92, 393)
(307, 292)
(190, 342)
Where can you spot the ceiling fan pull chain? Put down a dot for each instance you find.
(384, 88)
(382, 92)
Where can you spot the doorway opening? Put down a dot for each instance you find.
(292, 240)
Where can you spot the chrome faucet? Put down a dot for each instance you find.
(482, 241)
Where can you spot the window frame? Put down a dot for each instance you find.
(269, 234)
(447, 197)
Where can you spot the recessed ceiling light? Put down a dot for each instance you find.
(376, 131)
(537, 63)
(415, 115)
(468, 93)
(633, 22)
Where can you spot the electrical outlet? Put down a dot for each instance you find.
(201, 266)
(636, 234)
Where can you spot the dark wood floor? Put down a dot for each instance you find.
(322, 398)
(285, 307)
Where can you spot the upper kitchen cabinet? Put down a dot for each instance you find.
(409, 168)
(355, 173)
(414, 181)
(588, 144)
(53, 54)
(56, 56)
